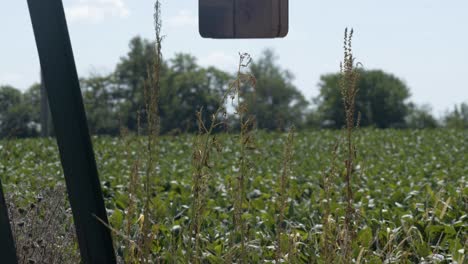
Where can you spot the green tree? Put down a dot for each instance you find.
(131, 74)
(420, 117)
(17, 113)
(102, 105)
(9, 97)
(275, 102)
(32, 97)
(458, 118)
(381, 100)
(187, 89)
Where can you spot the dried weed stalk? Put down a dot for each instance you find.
(205, 144)
(337, 236)
(244, 162)
(43, 229)
(284, 196)
(139, 231)
(349, 90)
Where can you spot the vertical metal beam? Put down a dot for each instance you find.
(71, 129)
(7, 244)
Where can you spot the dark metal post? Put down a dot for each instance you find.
(7, 244)
(71, 129)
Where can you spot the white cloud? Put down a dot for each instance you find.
(221, 60)
(96, 11)
(184, 18)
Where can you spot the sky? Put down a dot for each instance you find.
(423, 42)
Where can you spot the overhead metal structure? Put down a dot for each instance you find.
(243, 18)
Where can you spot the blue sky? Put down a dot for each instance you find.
(424, 42)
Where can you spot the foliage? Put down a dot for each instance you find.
(420, 117)
(187, 88)
(130, 74)
(409, 212)
(9, 97)
(458, 118)
(18, 115)
(381, 100)
(103, 107)
(204, 150)
(117, 99)
(276, 103)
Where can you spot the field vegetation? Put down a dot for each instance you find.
(253, 182)
(411, 195)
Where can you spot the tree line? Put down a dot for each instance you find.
(116, 100)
